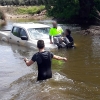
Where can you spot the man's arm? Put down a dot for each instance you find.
(50, 37)
(28, 62)
(59, 58)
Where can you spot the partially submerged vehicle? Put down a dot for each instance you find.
(27, 34)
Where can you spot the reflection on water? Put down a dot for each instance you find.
(96, 46)
(76, 79)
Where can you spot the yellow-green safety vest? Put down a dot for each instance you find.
(55, 31)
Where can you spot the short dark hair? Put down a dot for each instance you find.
(69, 31)
(40, 44)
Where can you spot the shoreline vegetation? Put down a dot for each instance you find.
(35, 13)
(20, 12)
(82, 12)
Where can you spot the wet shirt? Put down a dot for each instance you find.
(70, 38)
(55, 31)
(43, 60)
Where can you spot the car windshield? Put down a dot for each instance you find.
(39, 33)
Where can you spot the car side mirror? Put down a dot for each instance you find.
(24, 37)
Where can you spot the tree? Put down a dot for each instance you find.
(62, 9)
(78, 11)
(86, 8)
(40, 2)
(16, 2)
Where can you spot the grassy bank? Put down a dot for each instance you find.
(30, 10)
(23, 9)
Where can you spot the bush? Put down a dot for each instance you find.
(97, 4)
(73, 11)
(63, 9)
(30, 10)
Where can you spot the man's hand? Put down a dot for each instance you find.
(62, 38)
(65, 59)
(28, 62)
(25, 59)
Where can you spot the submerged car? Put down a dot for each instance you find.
(27, 34)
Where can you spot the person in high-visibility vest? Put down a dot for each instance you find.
(55, 32)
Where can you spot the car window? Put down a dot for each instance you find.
(39, 33)
(23, 32)
(15, 31)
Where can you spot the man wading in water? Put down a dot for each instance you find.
(43, 59)
(56, 32)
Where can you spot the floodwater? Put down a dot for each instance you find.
(76, 79)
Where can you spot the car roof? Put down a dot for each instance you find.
(30, 25)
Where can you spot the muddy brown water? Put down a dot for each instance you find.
(76, 79)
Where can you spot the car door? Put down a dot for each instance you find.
(16, 36)
(22, 32)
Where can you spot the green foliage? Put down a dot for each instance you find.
(63, 9)
(97, 4)
(70, 9)
(96, 9)
(30, 9)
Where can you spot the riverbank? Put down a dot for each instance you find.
(37, 13)
(23, 12)
(91, 30)
(39, 16)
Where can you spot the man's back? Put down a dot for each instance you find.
(43, 60)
